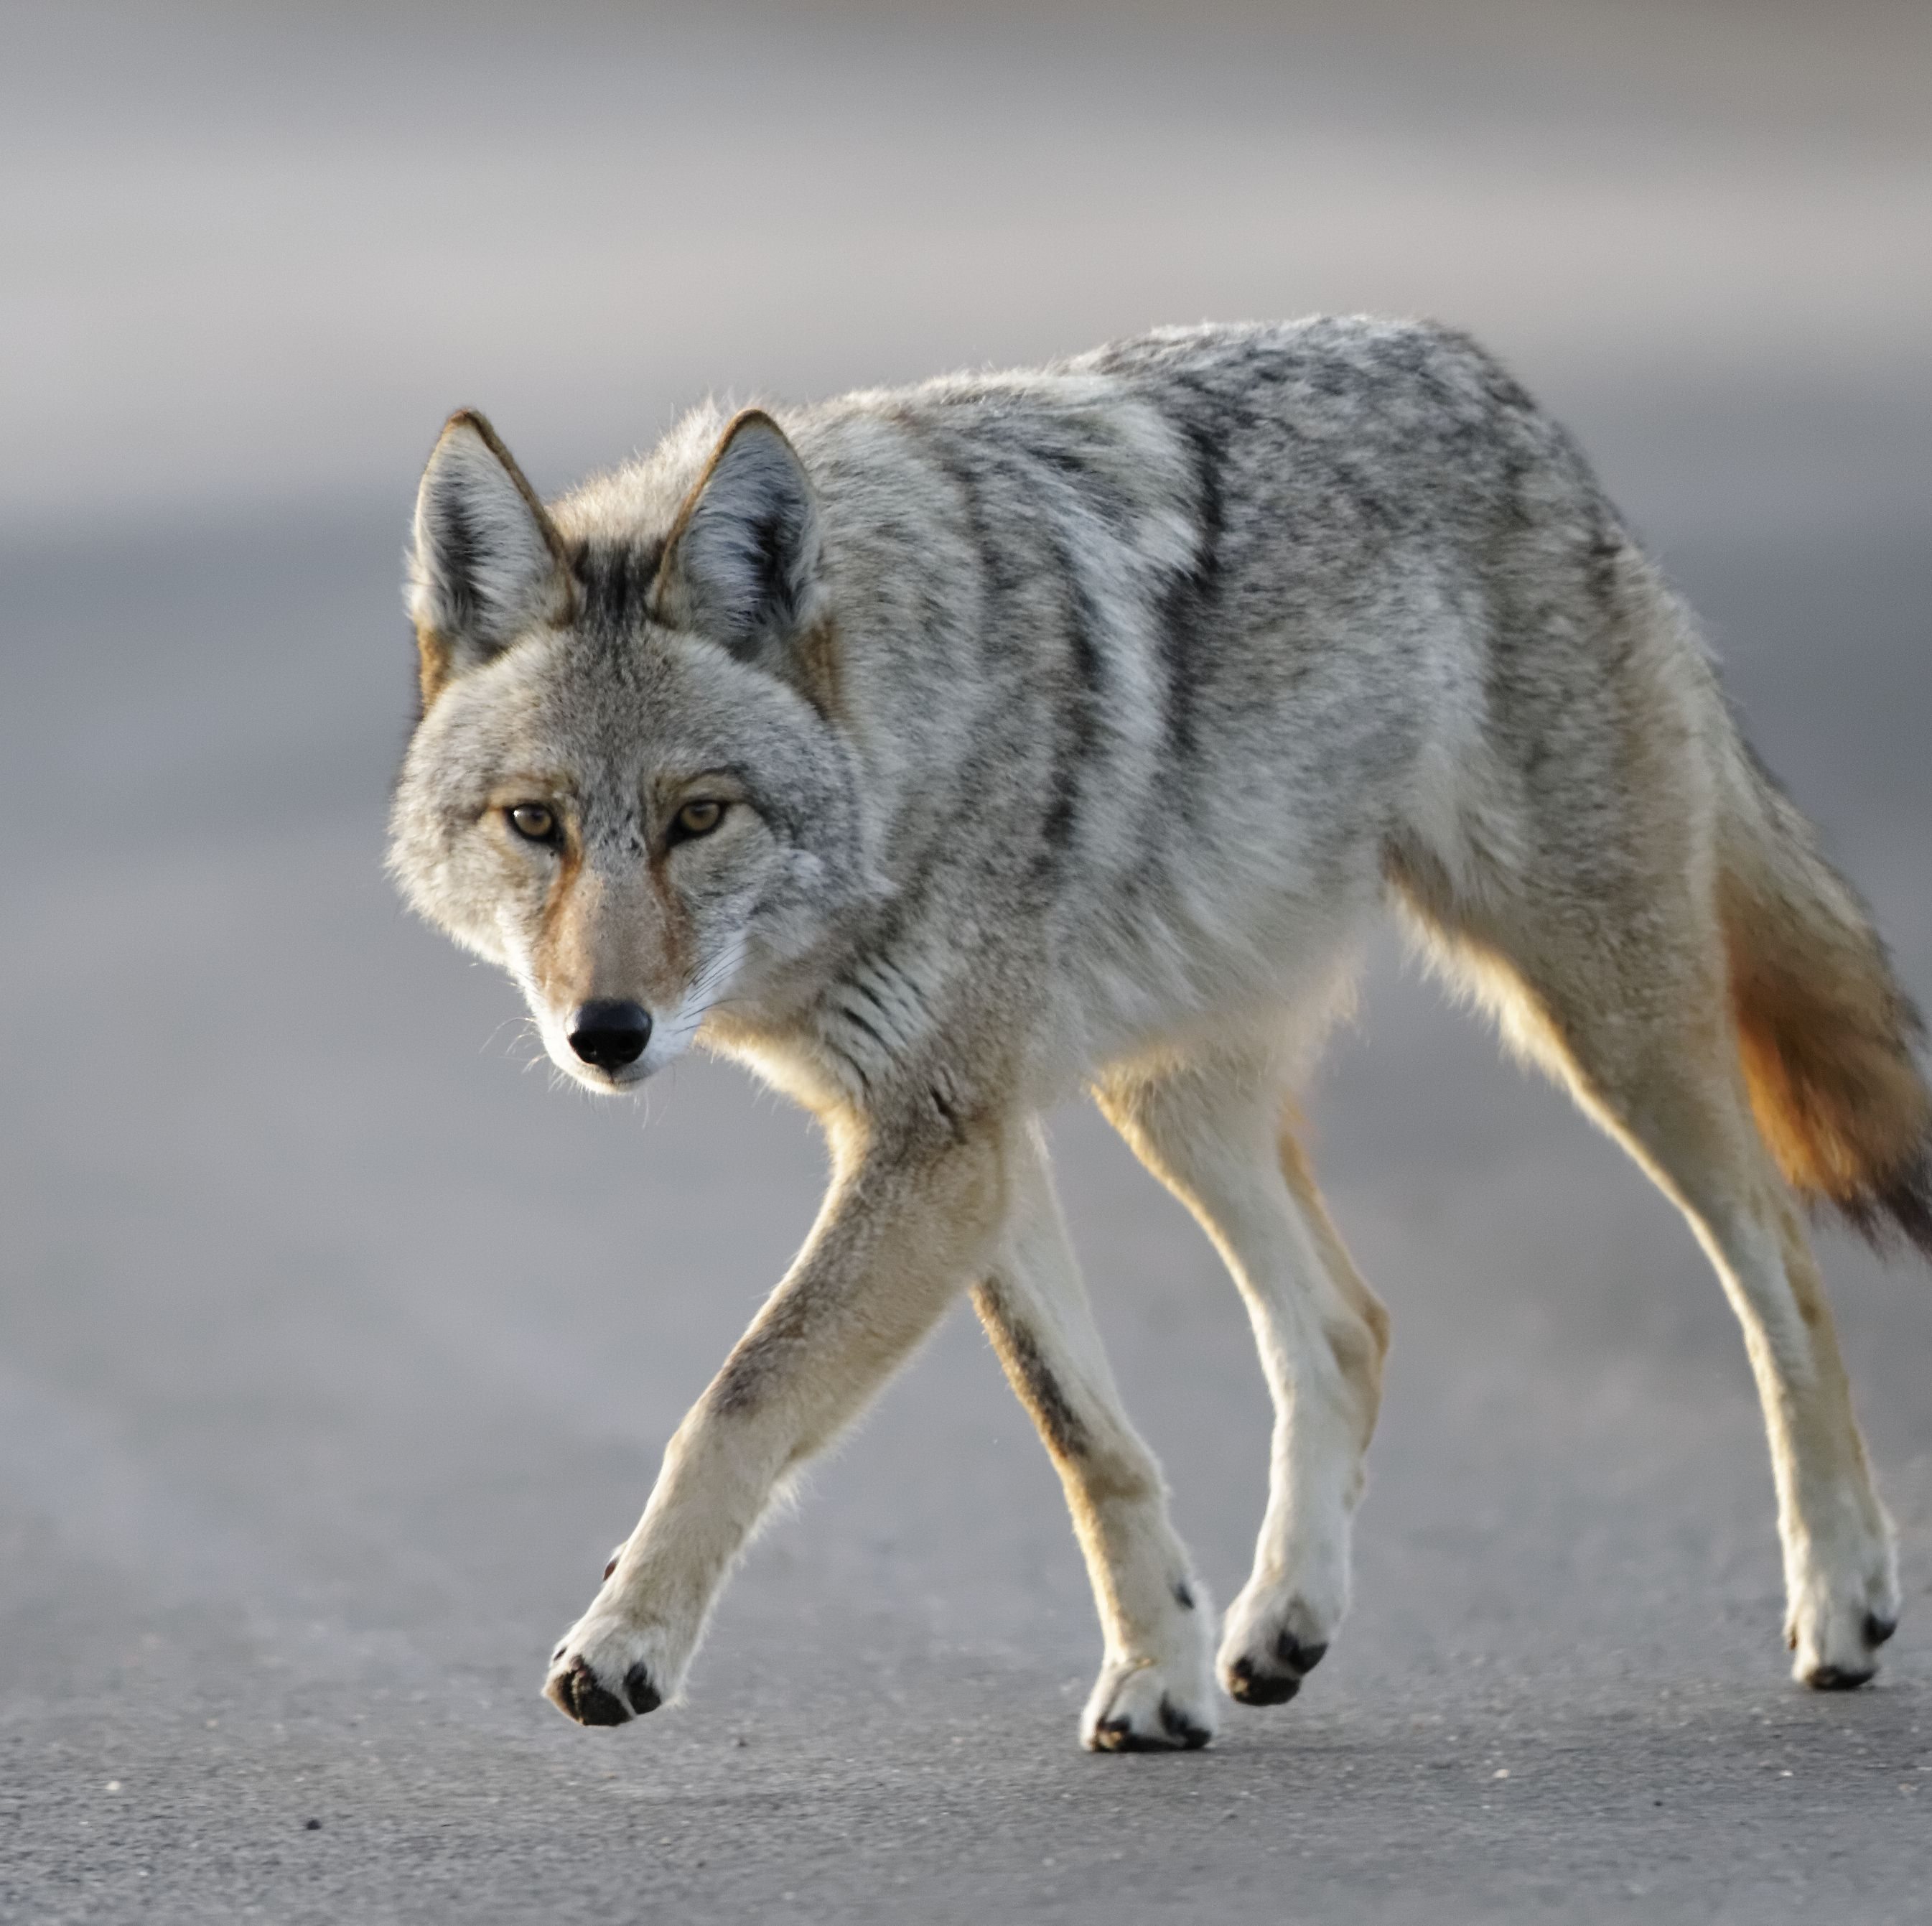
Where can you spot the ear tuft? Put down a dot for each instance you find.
(742, 562)
(488, 563)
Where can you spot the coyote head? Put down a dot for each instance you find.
(626, 787)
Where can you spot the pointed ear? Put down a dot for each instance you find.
(488, 563)
(742, 563)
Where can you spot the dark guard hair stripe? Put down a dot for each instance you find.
(1192, 602)
(615, 582)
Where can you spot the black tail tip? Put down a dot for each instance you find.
(1897, 1209)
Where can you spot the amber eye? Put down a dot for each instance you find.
(699, 818)
(535, 821)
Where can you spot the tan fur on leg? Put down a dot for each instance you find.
(1643, 1038)
(1155, 1691)
(895, 1241)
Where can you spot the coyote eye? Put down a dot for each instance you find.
(699, 818)
(533, 821)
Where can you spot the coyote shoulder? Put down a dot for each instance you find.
(940, 751)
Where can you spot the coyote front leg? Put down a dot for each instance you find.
(1156, 1690)
(900, 1232)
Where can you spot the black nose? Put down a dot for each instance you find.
(610, 1034)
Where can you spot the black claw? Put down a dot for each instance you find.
(580, 1694)
(1251, 1687)
(1117, 1735)
(643, 1695)
(1837, 1679)
(1181, 1728)
(1299, 1659)
(1268, 1688)
(1878, 1630)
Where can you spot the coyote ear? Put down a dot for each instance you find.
(488, 563)
(741, 564)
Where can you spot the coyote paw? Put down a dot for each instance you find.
(1138, 1706)
(1269, 1644)
(1835, 1628)
(608, 1671)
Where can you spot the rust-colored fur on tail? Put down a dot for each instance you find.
(1826, 1033)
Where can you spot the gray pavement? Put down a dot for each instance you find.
(336, 1347)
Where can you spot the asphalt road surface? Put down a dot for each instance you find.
(336, 1347)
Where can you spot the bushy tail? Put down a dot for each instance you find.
(1827, 1033)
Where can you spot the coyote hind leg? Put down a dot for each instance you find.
(1643, 1034)
(1155, 1691)
(1212, 1130)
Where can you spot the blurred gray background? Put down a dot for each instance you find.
(336, 1350)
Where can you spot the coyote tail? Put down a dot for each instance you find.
(1826, 1033)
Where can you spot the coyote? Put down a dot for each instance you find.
(939, 751)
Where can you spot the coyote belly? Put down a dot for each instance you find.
(940, 751)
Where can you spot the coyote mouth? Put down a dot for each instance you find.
(612, 1083)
